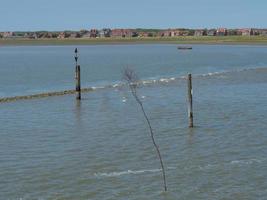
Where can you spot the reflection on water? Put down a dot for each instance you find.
(191, 134)
(78, 112)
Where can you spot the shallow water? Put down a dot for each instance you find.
(26, 70)
(99, 148)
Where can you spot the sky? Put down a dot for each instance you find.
(59, 15)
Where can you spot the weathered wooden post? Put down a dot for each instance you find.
(78, 82)
(190, 100)
(77, 76)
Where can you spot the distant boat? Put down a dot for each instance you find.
(184, 48)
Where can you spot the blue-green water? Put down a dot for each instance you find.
(31, 70)
(99, 148)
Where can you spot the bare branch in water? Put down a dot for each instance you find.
(132, 79)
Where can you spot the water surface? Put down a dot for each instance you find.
(99, 148)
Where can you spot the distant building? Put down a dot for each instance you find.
(221, 32)
(174, 33)
(61, 35)
(170, 33)
(117, 32)
(94, 33)
(83, 33)
(49, 35)
(101, 33)
(86, 35)
(211, 32)
(8, 34)
(121, 33)
(26, 35)
(143, 34)
(233, 32)
(263, 32)
(245, 31)
(199, 32)
(254, 31)
(74, 35)
(163, 34)
(184, 33)
(33, 36)
(106, 32)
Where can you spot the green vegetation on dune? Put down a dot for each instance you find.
(171, 40)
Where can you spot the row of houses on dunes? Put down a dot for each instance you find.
(214, 32)
(127, 33)
(174, 32)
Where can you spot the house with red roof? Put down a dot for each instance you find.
(122, 33)
(221, 32)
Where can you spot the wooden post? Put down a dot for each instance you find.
(78, 82)
(190, 101)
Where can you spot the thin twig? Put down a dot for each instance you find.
(132, 79)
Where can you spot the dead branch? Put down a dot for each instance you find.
(132, 79)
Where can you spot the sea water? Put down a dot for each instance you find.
(100, 147)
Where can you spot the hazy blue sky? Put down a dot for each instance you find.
(78, 14)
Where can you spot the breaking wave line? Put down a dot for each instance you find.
(117, 84)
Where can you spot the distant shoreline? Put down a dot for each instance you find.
(213, 40)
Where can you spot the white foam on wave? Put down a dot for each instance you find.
(124, 99)
(207, 167)
(212, 74)
(246, 162)
(164, 80)
(114, 174)
(147, 82)
(233, 163)
(116, 85)
(230, 71)
(97, 87)
(129, 172)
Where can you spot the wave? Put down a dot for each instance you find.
(238, 163)
(117, 84)
(165, 80)
(128, 172)
(114, 174)
(246, 162)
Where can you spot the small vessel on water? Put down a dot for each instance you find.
(184, 48)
